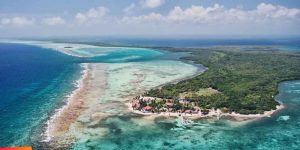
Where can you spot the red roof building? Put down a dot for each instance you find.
(188, 111)
(147, 108)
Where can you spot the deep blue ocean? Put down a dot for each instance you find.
(32, 83)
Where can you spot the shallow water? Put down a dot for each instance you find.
(129, 131)
(123, 80)
(48, 77)
(117, 127)
(124, 130)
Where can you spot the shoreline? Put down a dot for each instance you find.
(51, 124)
(65, 48)
(243, 117)
(212, 113)
(89, 88)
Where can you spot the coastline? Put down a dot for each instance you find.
(243, 117)
(85, 94)
(212, 113)
(66, 48)
(59, 123)
(54, 121)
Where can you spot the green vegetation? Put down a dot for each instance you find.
(200, 92)
(246, 78)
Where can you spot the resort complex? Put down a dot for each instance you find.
(180, 105)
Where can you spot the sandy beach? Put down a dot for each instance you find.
(212, 113)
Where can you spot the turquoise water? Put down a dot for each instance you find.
(117, 54)
(281, 131)
(35, 81)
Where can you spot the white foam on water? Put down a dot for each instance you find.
(78, 84)
(283, 118)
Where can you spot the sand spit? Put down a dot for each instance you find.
(242, 117)
(90, 88)
(66, 48)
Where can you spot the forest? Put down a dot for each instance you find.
(246, 77)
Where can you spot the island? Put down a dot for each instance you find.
(239, 80)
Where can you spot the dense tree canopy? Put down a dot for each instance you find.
(247, 77)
